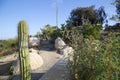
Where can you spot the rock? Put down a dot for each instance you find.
(34, 41)
(36, 61)
(59, 43)
(67, 52)
(16, 65)
(33, 50)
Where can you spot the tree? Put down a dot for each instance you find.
(117, 4)
(115, 28)
(50, 32)
(100, 12)
(86, 15)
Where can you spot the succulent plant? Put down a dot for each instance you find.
(23, 50)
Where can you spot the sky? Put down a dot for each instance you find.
(38, 13)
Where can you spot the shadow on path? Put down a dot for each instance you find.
(5, 68)
(34, 76)
(47, 46)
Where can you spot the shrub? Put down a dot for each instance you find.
(68, 33)
(96, 60)
(8, 47)
(93, 30)
(11, 70)
(50, 32)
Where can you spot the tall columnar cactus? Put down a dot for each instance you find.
(23, 50)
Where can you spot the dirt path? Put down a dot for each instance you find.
(46, 51)
(58, 72)
(5, 63)
(49, 58)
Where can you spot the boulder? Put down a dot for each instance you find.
(67, 52)
(34, 41)
(59, 43)
(16, 65)
(36, 62)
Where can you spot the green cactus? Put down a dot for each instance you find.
(23, 50)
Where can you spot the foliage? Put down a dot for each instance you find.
(117, 16)
(115, 28)
(93, 30)
(50, 32)
(117, 4)
(86, 15)
(94, 59)
(87, 21)
(67, 33)
(8, 47)
(11, 70)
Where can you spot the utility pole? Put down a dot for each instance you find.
(56, 13)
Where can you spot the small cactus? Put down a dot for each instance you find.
(23, 50)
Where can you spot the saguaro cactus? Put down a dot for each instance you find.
(23, 50)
